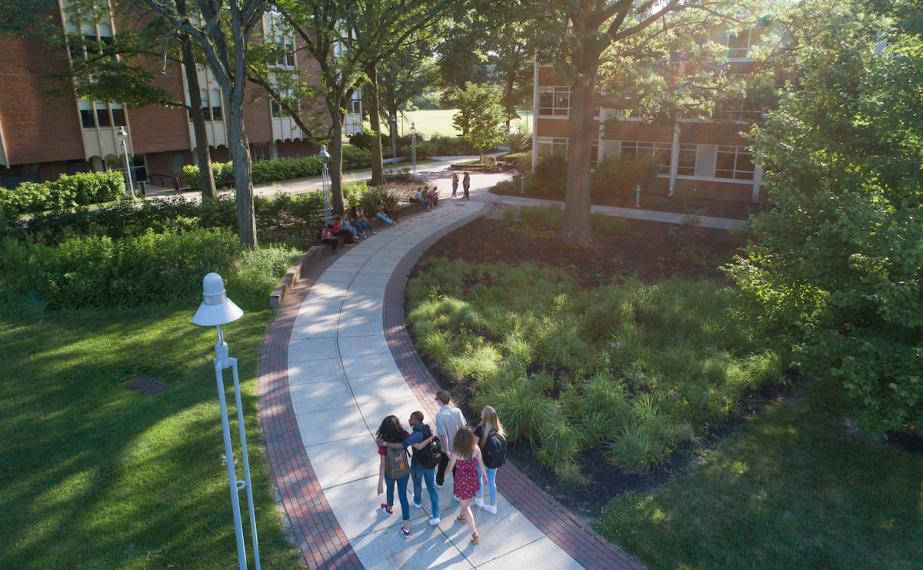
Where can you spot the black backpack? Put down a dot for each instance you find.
(430, 455)
(495, 450)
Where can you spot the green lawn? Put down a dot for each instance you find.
(793, 488)
(439, 122)
(98, 476)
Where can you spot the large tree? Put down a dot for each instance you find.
(837, 268)
(223, 32)
(580, 31)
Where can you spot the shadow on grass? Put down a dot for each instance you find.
(98, 475)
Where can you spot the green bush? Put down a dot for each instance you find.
(67, 192)
(376, 200)
(549, 180)
(621, 174)
(102, 272)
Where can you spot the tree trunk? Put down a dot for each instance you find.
(336, 164)
(243, 182)
(576, 222)
(203, 158)
(370, 99)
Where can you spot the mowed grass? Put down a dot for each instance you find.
(794, 488)
(99, 476)
(439, 122)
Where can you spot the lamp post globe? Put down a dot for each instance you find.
(217, 310)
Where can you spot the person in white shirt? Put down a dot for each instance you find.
(448, 421)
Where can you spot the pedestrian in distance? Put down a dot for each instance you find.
(427, 451)
(393, 469)
(454, 184)
(492, 442)
(466, 184)
(448, 421)
(468, 464)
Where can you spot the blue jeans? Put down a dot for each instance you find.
(363, 225)
(418, 472)
(491, 484)
(384, 217)
(401, 495)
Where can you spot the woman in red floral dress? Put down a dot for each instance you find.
(466, 457)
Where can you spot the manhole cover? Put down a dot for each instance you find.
(146, 385)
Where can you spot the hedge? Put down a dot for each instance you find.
(98, 271)
(277, 169)
(67, 192)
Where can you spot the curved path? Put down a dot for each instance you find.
(337, 360)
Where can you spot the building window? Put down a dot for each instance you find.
(739, 113)
(554, 102)
(206, 111)
(87, 118)
(687, 157)
(214, 100)
(552, 147)
(276, 109)
(285, 53)
(739, 45)
(734, 162)
(356, 106)
(659, 152)
(102, 115)
(118, 115)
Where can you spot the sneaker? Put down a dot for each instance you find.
(434, 521)
(439, 485)
(479, 502)
(418, 505)
(405, 531)
(386, 509)
(492, 509)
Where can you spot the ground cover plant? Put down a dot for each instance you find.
(67, 192)
(637, 369)
(797, 487)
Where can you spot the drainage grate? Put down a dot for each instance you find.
(146, 385)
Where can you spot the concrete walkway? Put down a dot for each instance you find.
(343, 381)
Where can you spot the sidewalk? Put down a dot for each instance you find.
(345, 363)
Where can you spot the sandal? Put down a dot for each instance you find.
(475, 538)
(460, 518)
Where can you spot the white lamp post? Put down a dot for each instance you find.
(217, 310)
(123, 138)
(325, 181)
(413, 146)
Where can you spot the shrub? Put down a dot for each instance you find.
(355, 157)
(376, 200)
(549, 180)
(68, 191)
(257, 271)
(98, 271)
(519, 142)
(621, 175)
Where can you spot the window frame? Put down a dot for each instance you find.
(556, 111)
(735, 172)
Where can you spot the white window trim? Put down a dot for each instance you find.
(552, 89)
(740, 181)
(551, 141)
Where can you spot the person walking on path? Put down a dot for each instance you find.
(422, 464)
(454, 184)
(466, 460)
(492, 442)
(393, 469)
(466, 184)
(448, 421)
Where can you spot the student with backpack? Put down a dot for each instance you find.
(492, 442)
(393, 468)
(427, 452)
(468, 464)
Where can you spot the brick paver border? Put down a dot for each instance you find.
(581, 542)
(316, 529)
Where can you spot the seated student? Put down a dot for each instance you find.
(338, 230)
(421, 198)
(361, 223)
(326, 236)
(347, 225)
(433, 197)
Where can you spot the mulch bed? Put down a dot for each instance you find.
(653, 251)
(650, 250)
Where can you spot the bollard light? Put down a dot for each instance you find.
(216, 311)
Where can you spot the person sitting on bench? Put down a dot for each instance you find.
(326, 236)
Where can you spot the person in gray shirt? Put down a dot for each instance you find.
(448, 421)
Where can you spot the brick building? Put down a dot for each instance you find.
(695, 158)
(43, 136)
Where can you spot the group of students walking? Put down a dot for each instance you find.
(472, 456)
